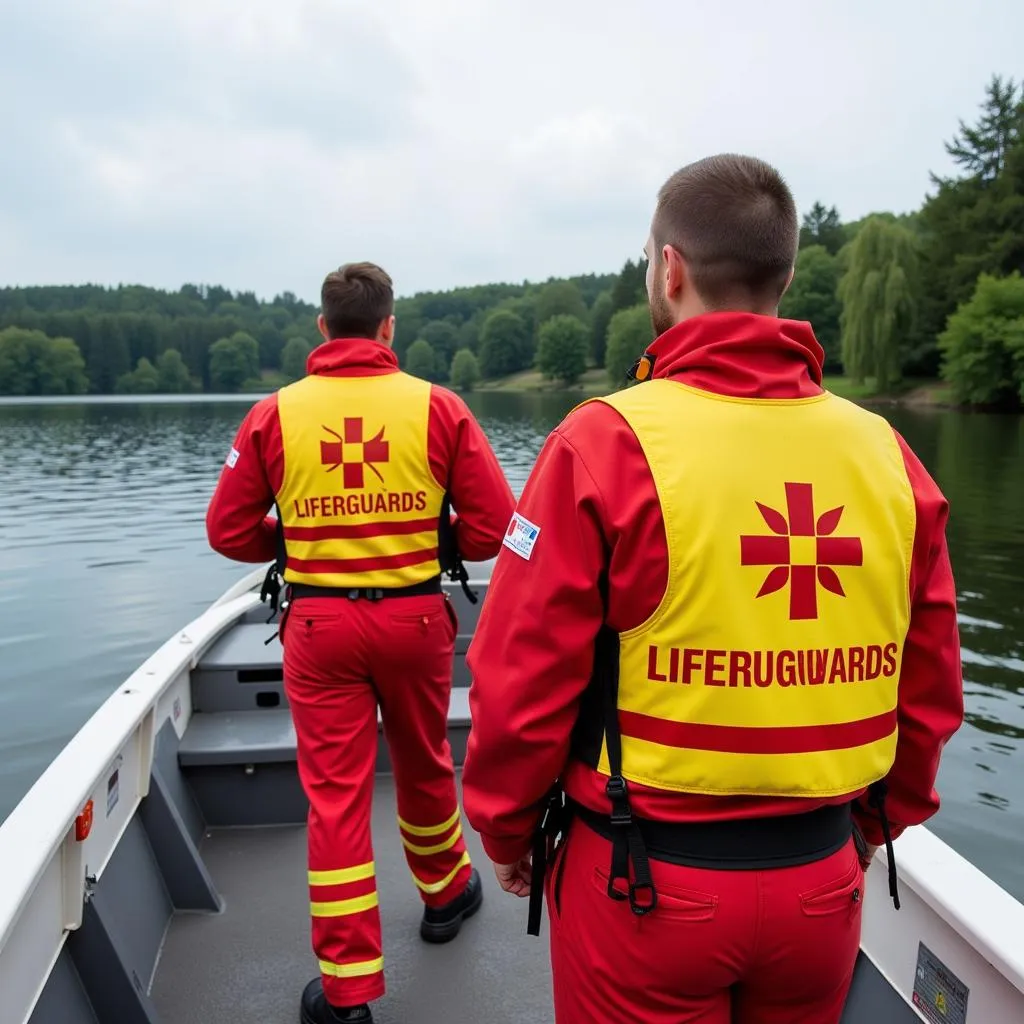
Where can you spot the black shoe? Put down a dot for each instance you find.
(442, 924)
(316, 1009)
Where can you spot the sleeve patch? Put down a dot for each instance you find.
(232, 458)
(521, 536)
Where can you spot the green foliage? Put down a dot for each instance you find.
(116, 327)
(974, 224)
(880, 296)
(822, 227)
(294, 356)
(233, 361)
(443, 336)
(562, 348)
(465, 309)
(983, 345)
(812, 296)
(442, 368)
(469, 333)
(981, 149)
(506, 344)
(629, 334)
(465, 370)
(31, 363)
(173, 374)
(600, 317)
(420, 360)
(143, 380)
(630, 286)
(559, 298)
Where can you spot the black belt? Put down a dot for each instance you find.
(744, 844)
(431, 586)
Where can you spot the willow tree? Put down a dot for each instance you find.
(880, 294)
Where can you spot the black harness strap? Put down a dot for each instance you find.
(552, 824)
(876, 798)
(270, 592)
(448, 551)
(627, 842)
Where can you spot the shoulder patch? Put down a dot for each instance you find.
(232, 458)
(521, 536)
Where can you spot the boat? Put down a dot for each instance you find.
(156, 872)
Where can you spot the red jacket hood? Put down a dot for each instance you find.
(743, 355)
(352, 357)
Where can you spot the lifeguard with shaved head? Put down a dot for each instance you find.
(719, 656)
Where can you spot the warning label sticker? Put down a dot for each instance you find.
(939, 994)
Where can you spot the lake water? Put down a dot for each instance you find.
(105, 556)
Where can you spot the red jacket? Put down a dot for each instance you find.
(593, 497)
(461, 459)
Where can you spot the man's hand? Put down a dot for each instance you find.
(515, 878)
(869, 856)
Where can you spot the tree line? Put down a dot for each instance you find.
(892, 298)
(934, 292)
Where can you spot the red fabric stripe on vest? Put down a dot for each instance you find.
(354, 532)
(738, 739)
(333, 565)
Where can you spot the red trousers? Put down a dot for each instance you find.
(341, 660)
(722, 947)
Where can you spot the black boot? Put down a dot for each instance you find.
(316, 1009)
(442, 924)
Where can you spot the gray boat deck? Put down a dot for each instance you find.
(250, 962)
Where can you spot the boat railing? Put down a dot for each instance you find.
(55, 844)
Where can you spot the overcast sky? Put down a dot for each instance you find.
(258, 144)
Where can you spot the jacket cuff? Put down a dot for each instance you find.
(505, 851)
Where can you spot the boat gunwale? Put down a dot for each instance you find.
(34, 832)
(979, 910)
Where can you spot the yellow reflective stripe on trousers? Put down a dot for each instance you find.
(342, 875)
(426, 851)
(342, 908)
(429, 830)
(436, 887)
(356, 970)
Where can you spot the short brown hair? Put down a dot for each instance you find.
(354, 300)
(733, 220)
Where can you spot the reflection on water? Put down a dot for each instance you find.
(105, 556)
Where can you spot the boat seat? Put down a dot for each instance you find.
(267, 736)
(242, 672)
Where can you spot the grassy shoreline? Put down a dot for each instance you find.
(911, 393)
(594, 382)
(917, 393)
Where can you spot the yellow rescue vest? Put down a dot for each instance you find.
(771, 665)
(358, 502)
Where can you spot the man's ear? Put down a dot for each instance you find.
(676, 273)
(321, 325)
(386, 331)
(789, 281)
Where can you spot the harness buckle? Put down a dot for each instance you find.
(617, 793)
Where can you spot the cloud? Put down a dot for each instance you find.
(256, 146)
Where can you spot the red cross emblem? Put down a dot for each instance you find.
(802, 551)
(353, 454)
